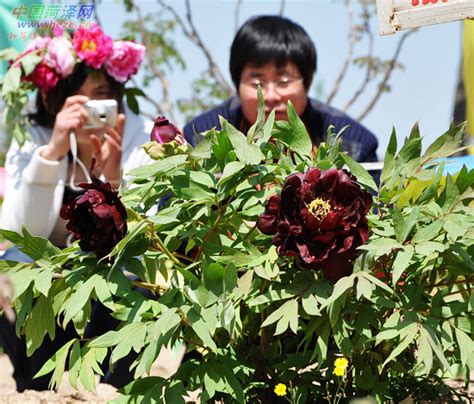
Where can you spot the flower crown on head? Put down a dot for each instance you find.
(46, 60)
(57, 56)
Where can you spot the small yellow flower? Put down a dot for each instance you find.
(339, 372)
(280, 389)
(340, 366)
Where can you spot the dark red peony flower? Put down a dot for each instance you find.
(97, 218)
(164, 132)
(43, 77)
(320, 218)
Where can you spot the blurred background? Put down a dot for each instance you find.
(385, 81)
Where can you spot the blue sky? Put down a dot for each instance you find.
(423, 91)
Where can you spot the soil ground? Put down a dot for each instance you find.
(166, 365)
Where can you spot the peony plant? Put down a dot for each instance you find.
(286, 275)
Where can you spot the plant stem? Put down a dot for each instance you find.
(163, 248)
(467, 280)
(252, 229)
(213, 228)
(263, 336)
(460, 291)
(151, 286)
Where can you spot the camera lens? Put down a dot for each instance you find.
(102, 114)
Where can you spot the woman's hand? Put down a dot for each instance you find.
(109, 152)
(72, 117)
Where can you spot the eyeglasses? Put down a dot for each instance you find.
(283, 86)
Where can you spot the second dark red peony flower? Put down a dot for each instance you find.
(97, 218)
(320, 218)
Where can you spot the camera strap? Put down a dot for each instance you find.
(76, 161)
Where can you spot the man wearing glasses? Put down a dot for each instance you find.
(277, 54)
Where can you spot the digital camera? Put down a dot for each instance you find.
(101, 113)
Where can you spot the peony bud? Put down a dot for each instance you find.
(164, 132)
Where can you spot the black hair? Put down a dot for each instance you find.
(272, 39)
(51, 105)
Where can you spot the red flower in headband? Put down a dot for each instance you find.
(43, 77)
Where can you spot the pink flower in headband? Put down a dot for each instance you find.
(39, 43)
(125, 60)
(58, 31)
(43, 77)
(92, 46)
(60, 56)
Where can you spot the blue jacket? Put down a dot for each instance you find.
(358, 141)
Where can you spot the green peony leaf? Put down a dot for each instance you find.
(407, 337)
(202, 327)
(132, 103)
(410, 150)
(401, 263)
(56, 363)
(286, 315)
(294, 134)
(132, 337)
(74, 363)
(257, 128)
(12, 80)
(389, 159)
(160, 167)
(141, 386)
(230, 170)
(447, 144)
(310, 305)
(363, 177)
(435, 345)
(245, 152)
(40, 322)
(35, 247)
(110, 338)
(429, 232)
(91, 357)
(8, 54)
(466, 347)
(404, 227)
(450, 195)
(79, 299)
(29, 62)
(203, 150)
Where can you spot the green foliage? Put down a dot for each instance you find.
(14, 93)
(253, 319)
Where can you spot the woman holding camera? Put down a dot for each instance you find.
(67, 130)
(39, 173)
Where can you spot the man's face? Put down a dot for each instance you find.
(279, 84)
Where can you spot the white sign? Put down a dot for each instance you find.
(395, 15)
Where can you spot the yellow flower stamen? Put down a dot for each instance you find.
(90, 46)
(340, 366)
(280, 389)
(319, 208)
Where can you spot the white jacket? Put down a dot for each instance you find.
(34, 186)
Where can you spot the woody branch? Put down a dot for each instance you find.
(190, 31)
(390, 65)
